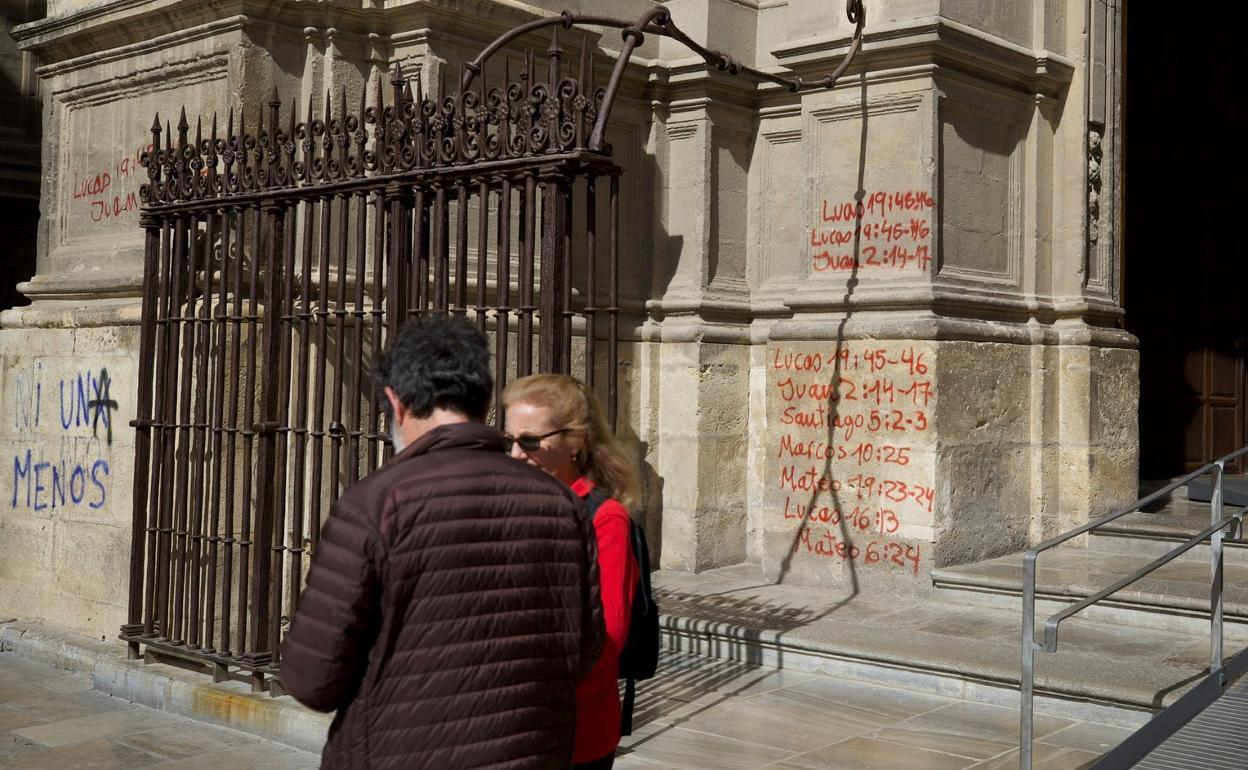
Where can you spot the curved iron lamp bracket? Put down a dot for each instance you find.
(658, 21)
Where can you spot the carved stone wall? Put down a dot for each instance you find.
(872, 329)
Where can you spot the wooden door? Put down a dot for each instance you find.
(1185, 265)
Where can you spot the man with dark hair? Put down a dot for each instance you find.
(452, 602)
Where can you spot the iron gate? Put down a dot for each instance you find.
(279, 260)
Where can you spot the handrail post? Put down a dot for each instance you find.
(1027, 672)
(1215, 567)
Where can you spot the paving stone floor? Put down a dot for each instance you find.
(700, 714)
(52, 719)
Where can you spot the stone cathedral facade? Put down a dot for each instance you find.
(868, 331)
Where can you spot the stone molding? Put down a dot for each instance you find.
(936, 41)
(909, 50)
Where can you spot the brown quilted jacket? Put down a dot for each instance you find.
(451, 606)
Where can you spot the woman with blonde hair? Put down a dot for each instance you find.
(557, 423)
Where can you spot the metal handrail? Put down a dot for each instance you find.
(1215, 533)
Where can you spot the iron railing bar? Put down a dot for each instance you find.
(287, 222)
(380, 226)
(299, 487)
(502, 266)
(357, 338)
(232, 452)
(151, 595)
(219, 332)
(203, 335)
(575, 163)
(1052, 623)
(1029, 644)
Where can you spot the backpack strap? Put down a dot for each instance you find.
(594, 501)
(626, 708)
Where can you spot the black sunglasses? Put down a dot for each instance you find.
(530, 443)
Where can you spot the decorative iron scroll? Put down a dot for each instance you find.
(515, 120)
(522, 118)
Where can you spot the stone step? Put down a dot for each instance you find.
(1160, 528)
(918, 640)
(1152, 546)
(1174, 597)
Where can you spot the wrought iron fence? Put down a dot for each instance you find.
(280, 259)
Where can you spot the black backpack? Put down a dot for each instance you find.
(640, 657)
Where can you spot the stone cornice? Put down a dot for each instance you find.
(104, 26)
(940, 42)
(66, 300)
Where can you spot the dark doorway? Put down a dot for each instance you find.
(19, 153)
(1186, 270)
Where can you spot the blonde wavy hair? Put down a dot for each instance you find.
(574, 405)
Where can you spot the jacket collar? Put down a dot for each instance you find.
(583, 486)
(465, 435)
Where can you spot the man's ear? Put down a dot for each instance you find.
(397, 409)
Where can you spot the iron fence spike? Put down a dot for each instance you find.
(580, 79)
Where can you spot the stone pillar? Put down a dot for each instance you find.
(946, 379)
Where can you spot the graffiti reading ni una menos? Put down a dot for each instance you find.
(74, 471)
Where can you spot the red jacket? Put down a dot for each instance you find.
(598, 695)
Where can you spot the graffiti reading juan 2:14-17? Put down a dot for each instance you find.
(884, 230)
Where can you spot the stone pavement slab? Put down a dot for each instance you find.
(701, 713)
(50, 718)
(1103, 670)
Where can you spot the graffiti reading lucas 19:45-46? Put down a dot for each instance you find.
(885, 230)
(110, 191)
